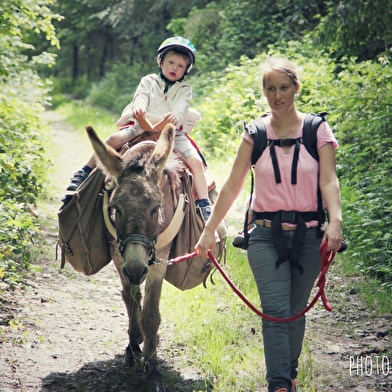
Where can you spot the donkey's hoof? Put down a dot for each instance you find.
(131, 355)
(155, 381)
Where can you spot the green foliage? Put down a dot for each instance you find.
(97, 35)
(22, 164)
(79, 114)
(23, 95)
(116, 90)
(365, 155)
(17, 229)
(356, 28)
(224, 100)
(223, 31)
(235, 95)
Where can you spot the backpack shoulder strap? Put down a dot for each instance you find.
(309, 134)
(257, 130)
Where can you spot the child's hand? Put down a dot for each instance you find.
(143, 122)
(137, 112)
(171, 118)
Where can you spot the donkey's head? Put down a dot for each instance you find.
(137, 199)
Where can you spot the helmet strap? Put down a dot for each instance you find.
(168, 83)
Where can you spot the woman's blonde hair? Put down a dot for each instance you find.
(281, 64)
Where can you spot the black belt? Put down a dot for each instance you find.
(293, 217)
(287, 216)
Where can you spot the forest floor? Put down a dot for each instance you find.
(63, 331)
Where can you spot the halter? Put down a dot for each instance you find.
(139, 239)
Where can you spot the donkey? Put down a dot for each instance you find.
(143, 175)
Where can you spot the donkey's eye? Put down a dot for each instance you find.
(154, 211)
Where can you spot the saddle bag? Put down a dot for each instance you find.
(83, 237)
(191, 273)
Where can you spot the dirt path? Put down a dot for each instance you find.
(67, 332)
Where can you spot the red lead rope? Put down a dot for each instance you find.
(326, 260)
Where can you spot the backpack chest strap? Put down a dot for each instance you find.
(284, 143)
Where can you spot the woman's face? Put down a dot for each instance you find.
(174, 67)
(280, 90)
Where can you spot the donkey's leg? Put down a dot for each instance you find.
(132, 299)
(150, 316)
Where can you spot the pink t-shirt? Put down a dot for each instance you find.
(270, 196)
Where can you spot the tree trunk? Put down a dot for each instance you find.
(75, 64)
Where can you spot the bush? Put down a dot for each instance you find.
(364, 104)
(235, 95)
(116, 89)
(22, 172)
(23, 95)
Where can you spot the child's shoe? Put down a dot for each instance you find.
(205, 208)
(205, 212)
(77, 179)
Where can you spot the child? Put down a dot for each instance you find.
(160, 99)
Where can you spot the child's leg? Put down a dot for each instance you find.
(119, 138)
(115, 140)
(183, 145)
(200, 183)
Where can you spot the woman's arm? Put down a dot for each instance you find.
(329, 186)
(230, 191)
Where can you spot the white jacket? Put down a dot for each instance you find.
(150, 96)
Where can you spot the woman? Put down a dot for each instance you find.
(284, 287)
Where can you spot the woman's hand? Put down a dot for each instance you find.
(205, 243)
(334, 236)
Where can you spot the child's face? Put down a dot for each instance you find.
(174, 66)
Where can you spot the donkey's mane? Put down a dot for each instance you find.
(136, 187)
(136, 161)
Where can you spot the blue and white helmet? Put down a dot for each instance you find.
(181, 44)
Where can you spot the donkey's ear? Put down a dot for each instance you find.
(107, 157)
(163, 149)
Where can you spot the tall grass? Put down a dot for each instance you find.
(79, 115)
(223, 337)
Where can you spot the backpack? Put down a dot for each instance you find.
(257, 130)
(309, 134)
